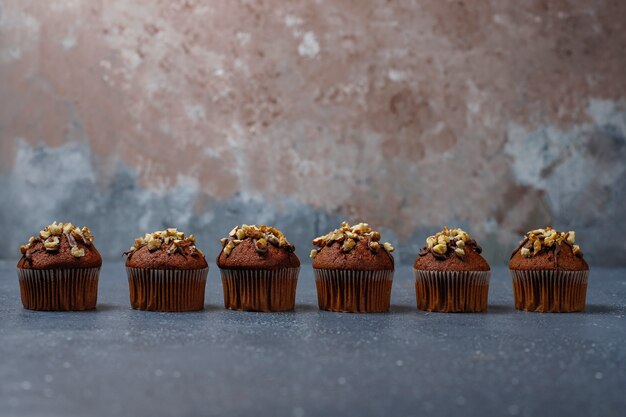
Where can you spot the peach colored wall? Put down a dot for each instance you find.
(498, 116)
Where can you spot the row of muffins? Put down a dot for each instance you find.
(353, 271)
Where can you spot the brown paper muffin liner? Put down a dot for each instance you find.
(550, 291)
(71, 289)
(352, 291)
(172, 290)
(260, 289)
(452, 291)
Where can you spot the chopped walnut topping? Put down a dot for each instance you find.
(571, 237)
(261, 243)
(169, 239)
(348, 245)
(545, 239)
(262, 236)
(50, 237)
(154, 244)
(77, 252)
(536, 246)
(229, 248)
(55, 229)
(52, 243)
(440, 248)
(313, 254)
(449, 242)
(348, 236)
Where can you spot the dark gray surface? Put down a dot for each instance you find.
(116, 361)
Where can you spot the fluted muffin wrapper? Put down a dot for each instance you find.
(550, 291)
(63, 289)
(171, 290)
(452, 291)
(260, 289)
(353, 291)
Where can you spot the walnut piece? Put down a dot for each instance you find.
(263, 235)
(350, 236)
(77, 252)
(50, 236)
(547, 239)
(171, 239)
(440, 248)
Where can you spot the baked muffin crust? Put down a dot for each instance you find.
(60, 245)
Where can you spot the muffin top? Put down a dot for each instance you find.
(544, 249)
(355, 247)
(60, 245)
(256, 247)
(450, 250)
(165, 249)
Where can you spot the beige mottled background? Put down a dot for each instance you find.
(497, 116)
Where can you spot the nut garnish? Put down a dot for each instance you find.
(348, 245)
(348, 236)
(77, 252)
(55, 229)
(50, 238)
(52, 243)
(571, 237)
(440, 248)
(313, 254)
(448, 242)
(262, 236)
(547, 239)
(229, 248)
(154, 244)
(170, 240)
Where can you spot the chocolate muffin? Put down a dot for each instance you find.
(549, 272)
(353, 270)
(59, 269)
(166, 272)
(259, 269)
(450, 274)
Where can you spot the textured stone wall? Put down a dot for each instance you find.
(496, 116)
